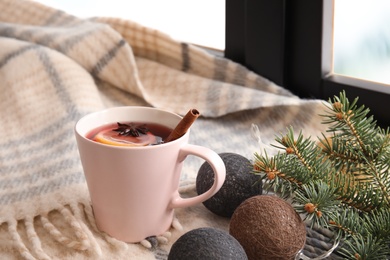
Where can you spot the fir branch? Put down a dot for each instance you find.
(361, 196)
(365, 248)
(335, 150)
(349, 122)
(298, 148)
(346, 222)
(341, 182)
(317, 201)
(378, 224)
(277, 173)
(384, 136)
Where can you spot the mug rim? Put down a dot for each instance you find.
(95, 113)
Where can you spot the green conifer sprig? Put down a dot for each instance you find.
(340, 181)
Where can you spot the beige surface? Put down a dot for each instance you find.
(55, 68)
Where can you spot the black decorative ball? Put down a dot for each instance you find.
(240, 184)
(208, 244)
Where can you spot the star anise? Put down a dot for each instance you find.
(131, 129)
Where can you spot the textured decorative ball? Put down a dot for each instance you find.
(240, 184)
(207, 243)
(268, 227)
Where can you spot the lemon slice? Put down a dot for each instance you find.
(113, 138)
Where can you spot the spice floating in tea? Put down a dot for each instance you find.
(131, 129)
(183, 126)
(133, 134)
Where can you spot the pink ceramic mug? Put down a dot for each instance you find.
(134, 190)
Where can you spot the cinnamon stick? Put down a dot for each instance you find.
(183, 125)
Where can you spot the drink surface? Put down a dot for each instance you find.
(130, 134)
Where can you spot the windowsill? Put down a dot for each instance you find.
(360, 83)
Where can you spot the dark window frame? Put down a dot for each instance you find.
(290, 43)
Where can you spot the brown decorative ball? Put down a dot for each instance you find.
(268, 227)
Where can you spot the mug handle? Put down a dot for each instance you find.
(216, 164)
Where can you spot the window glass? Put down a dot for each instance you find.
(362, 39)
(199, 22)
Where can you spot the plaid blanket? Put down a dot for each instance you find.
(55, 68)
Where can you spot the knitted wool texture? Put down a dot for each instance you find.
(55, 68)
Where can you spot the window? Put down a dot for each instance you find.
(201, 22)
(290, 42)
(362, 39)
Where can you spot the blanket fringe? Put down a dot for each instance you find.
(80, 214)
(162, 239)
(91, 219)
(19, 244)
(75, 216)
(176, 224)
(34, 239)
(80, 236)
(60, 237)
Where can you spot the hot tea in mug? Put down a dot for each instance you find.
(132, 159)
